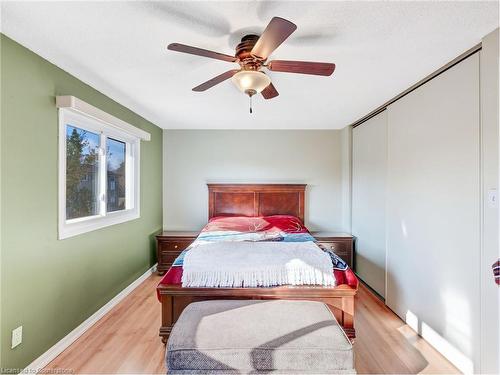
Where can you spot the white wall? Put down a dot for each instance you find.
(369, 168)
(433, 212)
(194, 157)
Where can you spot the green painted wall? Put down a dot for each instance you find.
(50, 286)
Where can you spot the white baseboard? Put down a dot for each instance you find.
(38, 364)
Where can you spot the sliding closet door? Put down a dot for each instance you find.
(433, 211)
(369, 164)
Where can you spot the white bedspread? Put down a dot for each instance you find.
(253, 264)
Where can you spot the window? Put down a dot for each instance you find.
(98, 171)
(82, 178)
(116, 174)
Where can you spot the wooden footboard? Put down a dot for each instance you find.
(174, 298)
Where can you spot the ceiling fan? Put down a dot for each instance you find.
(251, 54)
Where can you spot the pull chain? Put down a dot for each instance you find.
(250, 93)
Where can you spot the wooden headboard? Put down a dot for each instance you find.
(256, 200)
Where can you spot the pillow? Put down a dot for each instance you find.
(237, 223)
(282, 223)
(286, 223)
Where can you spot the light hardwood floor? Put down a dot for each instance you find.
(126, 340)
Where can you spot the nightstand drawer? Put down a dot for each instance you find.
(340, 248)
(168, 250)
(169, 245)
(173, 245)
(168, 257)
(341, 244)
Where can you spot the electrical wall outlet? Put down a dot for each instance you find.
(17, 336)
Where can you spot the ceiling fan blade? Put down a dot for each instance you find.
(275, 33)
(200, 52)
(216, 80)
(270, 92)
(302, 67)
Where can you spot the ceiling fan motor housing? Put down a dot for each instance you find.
(243, 52)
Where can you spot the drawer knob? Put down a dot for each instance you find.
(176, 246)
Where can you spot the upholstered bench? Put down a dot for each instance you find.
(239, 337)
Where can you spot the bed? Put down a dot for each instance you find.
(228, 206)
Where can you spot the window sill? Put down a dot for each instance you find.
(74, 228)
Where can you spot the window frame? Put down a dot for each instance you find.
(91, 123)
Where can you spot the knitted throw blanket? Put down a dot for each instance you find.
(255, 264)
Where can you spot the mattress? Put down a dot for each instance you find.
(263, 228)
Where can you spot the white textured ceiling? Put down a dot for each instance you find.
(380, 49)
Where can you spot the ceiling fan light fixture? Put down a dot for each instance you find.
(251, 81)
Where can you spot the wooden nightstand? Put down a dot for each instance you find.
(169, 244)
(341, 244)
